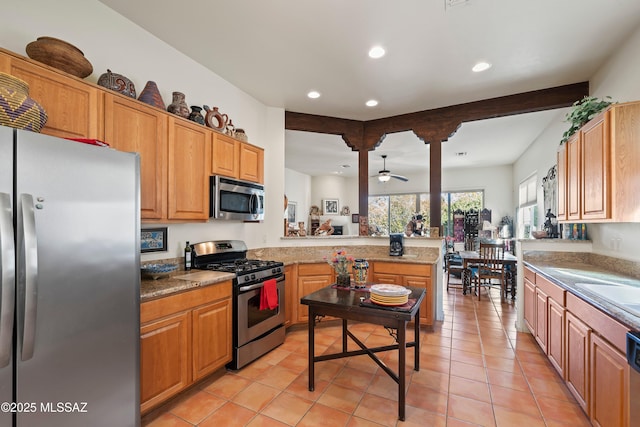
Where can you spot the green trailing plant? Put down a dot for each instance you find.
(583, 111)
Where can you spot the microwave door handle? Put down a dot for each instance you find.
(7, 279)
(29, 263)
(253, 204)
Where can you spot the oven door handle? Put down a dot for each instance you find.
(255, 286)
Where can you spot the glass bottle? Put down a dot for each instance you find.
(187, 257)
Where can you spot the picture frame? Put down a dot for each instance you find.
(330, 206)
(153, 239)
(355, 218)
(291, 212)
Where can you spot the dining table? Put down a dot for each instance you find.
(510, 261)
(354, 304)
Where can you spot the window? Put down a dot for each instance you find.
(527, 207)
(390, 213)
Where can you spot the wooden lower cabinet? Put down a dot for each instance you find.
(578, 336)
(541, 319)
(529, 305)
(164, 359)
(183, 338)
(290, 294)
(609, 385)
(414, 275)
(555, 335)
(311, 277)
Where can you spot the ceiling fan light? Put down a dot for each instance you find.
(384, 178)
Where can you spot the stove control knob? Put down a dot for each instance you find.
(253, 277)
(246, 278)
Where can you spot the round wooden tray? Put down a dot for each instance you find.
(61, 55)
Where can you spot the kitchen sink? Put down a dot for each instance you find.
(627, 297)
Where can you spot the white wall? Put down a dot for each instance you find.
(108, 40)
(617, 78)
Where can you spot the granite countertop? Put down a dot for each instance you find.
(180, 281)
(568, 274)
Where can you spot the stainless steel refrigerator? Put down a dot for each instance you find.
(70, 283)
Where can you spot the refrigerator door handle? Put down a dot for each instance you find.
(29, 246)
(7, 279)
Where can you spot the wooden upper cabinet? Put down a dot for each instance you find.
(625, 161)
(562, 182)
(73, 107)
(133, 127)
(251, 163)
(225, 156)
(189, 169)
(573, 177)
(596, 167)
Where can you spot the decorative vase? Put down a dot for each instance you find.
(117, 83)
(360, 272)
(343, 280)
(179, 106)
(215, 120)
(17, 109)
(151, 95)
(196, 115)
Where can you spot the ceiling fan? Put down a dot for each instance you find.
(385, 175)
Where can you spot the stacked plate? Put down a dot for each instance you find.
(389, 295)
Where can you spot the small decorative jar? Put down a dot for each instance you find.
(17, 109)
(151, 95)
(360, 272)
(196, 115)
(179, 106)
(343, 280)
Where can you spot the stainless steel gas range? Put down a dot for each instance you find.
(256, 330)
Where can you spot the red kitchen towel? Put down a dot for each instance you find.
(269, 295)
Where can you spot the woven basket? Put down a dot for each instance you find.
(17, 109)
(61, 55)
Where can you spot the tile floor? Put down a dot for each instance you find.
(475, 370)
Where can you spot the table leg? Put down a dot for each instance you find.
(402, 350)
(514, 282)
(344, 335)
(312, 323)
(416, 353)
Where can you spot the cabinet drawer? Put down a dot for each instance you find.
(405, 269)
(161, 307)
(530, 275)
(552, 290)
(314, 269)
(600, 322)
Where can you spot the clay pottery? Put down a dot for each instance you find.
(214, 119)
(117, 83)
(196, 115)
(151, 95)
(17, 109)
(179, 106)
(61, 55)
(241, 135)
(230, 129)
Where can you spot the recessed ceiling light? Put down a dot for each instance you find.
(481, 66)
(461, 153)
(345, 166)
(371, 103)
(313, 94)
(376, 52)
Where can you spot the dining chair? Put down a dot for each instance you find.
(490, 268)
(453, 266)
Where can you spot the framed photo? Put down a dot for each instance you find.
(330, 206)
(153, 239)
(355, 218)
(291, 212)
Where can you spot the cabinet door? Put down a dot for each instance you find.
(573, 176)
(164, 359)
(225, 156)
(609, 385)
(212, 329)
(562, 182)
(134, 127)
(541, 319)
(74, 108)
(251, 163)
(311, 277)
(555, 339)
(426, 309)
(578, 337)
(530, 306)
(596, 169)
(188, 170)
(394, 279)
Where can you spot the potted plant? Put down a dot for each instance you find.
(583, 111)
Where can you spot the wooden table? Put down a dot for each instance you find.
(346, 305)
(471, 257)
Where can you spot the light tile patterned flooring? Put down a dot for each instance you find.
(475, 369)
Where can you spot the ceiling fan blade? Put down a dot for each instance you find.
(400, 177)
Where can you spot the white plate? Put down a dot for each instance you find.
(389, 290)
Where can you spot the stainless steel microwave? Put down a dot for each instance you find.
(236, 200)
